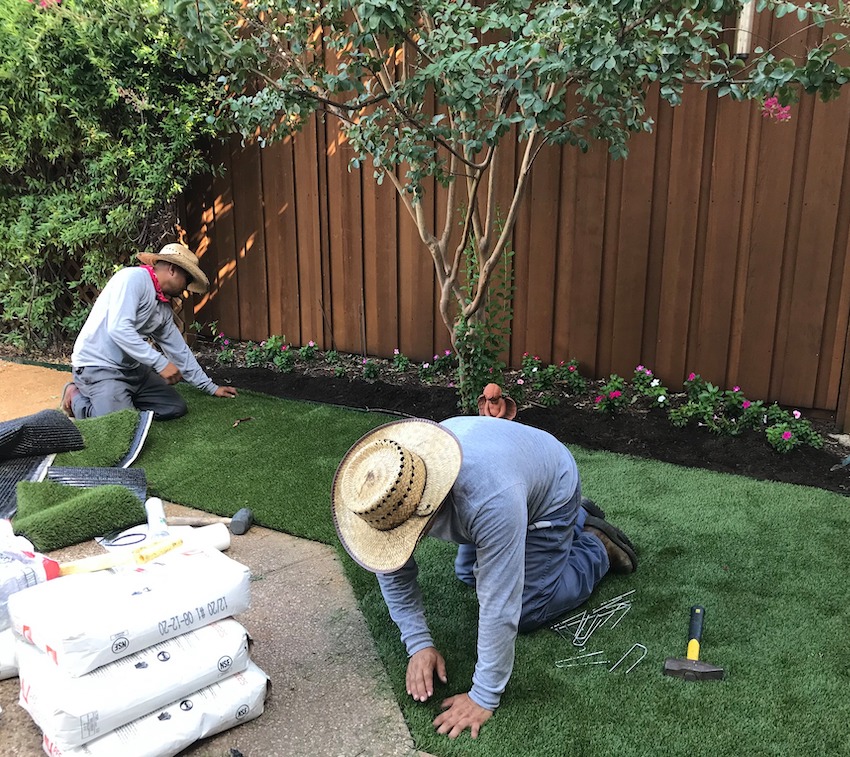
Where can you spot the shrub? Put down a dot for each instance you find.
(101, 127)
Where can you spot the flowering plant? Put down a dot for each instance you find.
(370, 369)
(569, 374)
(611, 398)
(400, 361)
(308, 351)
(284, 359)
(773, 109)
(444, 364)
(226, 353)
(645, 383)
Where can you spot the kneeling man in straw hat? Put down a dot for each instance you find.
(114, 367)
(510, 496)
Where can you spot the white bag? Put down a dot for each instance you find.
(71, 711)
(167, 731)
(86, 620)
(8, 660)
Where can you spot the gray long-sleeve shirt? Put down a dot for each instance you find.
(123, 316)
(512, 476)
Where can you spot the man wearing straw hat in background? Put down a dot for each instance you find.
(510, 496)
(114, 367)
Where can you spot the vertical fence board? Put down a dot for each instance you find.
(819, 211)
(224, 279)
(307, 163)
(281, 235)
(250, 243)
(542, 245)
(380, 268)
(632, 244)
(680, 238)
(714, 320)
(584, 300)
(345, 245)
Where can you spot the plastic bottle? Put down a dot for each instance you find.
(157, 525)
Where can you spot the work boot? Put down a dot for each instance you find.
(592, 508)
(68, 393)
(621, 553)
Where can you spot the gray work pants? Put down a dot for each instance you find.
(105, 390)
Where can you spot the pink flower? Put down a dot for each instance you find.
(639, 368)
(796, 414)
(692, 377)
(736, 388)
(284, 348)
(448, 352)
(572, 368)
(311, 343)
(786, 435)
(226, 342)
(745, 404)
(613, 395)
(520, 381)
(599, 399)
(221, 335)
(395, 351)
(772, 109)
(648, 372)
(365, 361)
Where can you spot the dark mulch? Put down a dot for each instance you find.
(644, 433)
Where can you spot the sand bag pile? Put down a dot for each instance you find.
(140, 661)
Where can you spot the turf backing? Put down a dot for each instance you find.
(766, 560)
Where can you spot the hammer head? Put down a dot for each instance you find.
(692, 670)
(242, 521)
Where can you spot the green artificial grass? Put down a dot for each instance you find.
(53, 515)
(107, 441)
(766, 560)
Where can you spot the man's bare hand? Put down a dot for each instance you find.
(420, 673)
(225, 391)
(171, 374)
(460, 713)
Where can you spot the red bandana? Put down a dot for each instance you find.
(159, 295)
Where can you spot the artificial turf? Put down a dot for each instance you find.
(766, 560)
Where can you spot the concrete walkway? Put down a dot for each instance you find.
(330, 695)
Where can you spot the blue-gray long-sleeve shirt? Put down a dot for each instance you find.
(512, 476)
(123, 316)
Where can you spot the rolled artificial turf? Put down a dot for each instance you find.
(53, 515)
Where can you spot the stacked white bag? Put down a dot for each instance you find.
(138, 662)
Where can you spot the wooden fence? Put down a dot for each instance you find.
(720, 246)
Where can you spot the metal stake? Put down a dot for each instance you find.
(634, 646)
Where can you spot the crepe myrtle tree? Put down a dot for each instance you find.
(440, 88)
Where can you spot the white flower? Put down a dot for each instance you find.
(662, 399)
(655, 382)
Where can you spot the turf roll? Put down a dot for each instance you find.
(53, 515)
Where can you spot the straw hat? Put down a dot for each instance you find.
(388, 488)
(183, 257)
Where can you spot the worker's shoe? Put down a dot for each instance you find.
(592, 508)
(621, 552)
(68, 393)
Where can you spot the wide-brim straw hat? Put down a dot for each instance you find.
(183, 257)
(388, 488)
